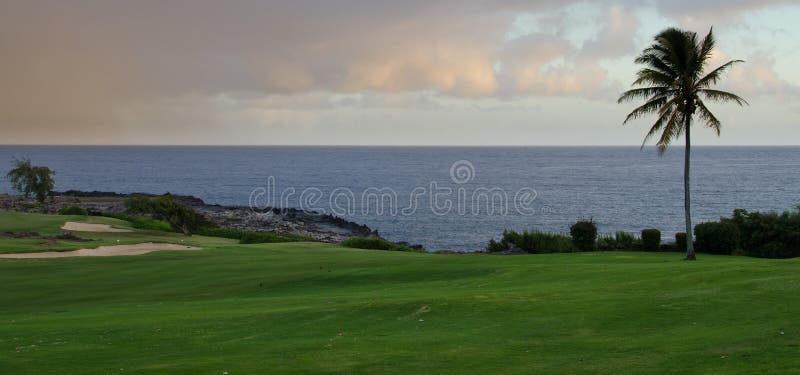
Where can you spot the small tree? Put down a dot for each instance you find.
(31, 179)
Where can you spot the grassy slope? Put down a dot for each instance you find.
(48, 225)
(305, 307)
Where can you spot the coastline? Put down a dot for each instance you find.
(321, 227)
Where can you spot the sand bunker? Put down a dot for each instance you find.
(85, 227)
(103, 251)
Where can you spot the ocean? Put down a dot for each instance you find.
(454, 198)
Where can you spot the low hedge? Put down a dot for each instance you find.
(716, 237)
(619, 241)
(142, 222)
(680, 241)
(251, 237)
(532, 242)
(376, 243)
(770, 234)
(73, 210)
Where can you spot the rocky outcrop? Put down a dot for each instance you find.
(321, 227)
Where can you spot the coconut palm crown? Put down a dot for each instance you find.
(675, 87)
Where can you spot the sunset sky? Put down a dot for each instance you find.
(373, 72)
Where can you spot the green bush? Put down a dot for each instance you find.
(651, 239)
(234, 234)
(626, 240)
(584, 235)
(540, 242)
(375, 243)
(680, 241)
(182, 218)
(73, 210)
(251, 237)
(140, 205)
(144, 223)
(716, 237)
(532, 242)
(606, 242)
(261, 237)
(619, 241)
(768, 235)
(496, 246)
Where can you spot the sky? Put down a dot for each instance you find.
(343, 72)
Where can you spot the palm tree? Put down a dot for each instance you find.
(674, 87)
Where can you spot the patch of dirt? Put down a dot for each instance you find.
(86, 227)
(103, 251)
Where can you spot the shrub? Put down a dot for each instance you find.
(619, 241)
(584, 235)
(73, 210)
(606, 242)
(651, 239)
(626, 240)
(496, 247)
(511, 239)
(768, 235)
(376, 243)
(251, 237)
(680, 241)
(261, 237)
(182, 218)
(144, 223)
(139, 205)
(717, 237)
(234, 234)
(532, 242)
(541, 242)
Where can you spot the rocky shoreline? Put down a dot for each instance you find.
(320, 227)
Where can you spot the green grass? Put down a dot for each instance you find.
(317, 308)
(48, 225)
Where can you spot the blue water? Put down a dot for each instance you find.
(620, 188)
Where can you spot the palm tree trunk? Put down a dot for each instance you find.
(687, 205)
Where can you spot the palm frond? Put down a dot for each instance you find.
(651, 106)
(665, 115)
(672, 130)
(644, 93)
(715, 75)
(655, 60)
(676, 44)
(722, 96)
(649, 76)
(705, 114)
(706, 47)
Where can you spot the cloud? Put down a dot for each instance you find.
(757, 76)
(699, 15)
(87, 67)
(615, 38)
(540, 64)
